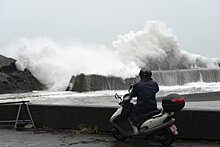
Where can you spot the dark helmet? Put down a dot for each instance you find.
(145, 72)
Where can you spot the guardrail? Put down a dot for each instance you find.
(17, 120)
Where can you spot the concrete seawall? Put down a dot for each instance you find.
(82, 83)
(191, 123)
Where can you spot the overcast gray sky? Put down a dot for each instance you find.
(195, 23)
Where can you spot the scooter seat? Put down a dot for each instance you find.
(149, 115)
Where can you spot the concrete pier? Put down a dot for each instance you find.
(194, 122)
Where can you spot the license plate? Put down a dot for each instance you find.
(173, 128)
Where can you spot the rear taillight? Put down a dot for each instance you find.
(178, 100)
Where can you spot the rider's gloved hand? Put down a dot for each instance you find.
(127, 98)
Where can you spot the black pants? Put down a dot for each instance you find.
(139, 113)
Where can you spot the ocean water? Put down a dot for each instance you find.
(53, 63)
(100, 98)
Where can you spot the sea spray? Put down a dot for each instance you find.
(54, 63)
(157, 48)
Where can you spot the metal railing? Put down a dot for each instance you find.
(17, 120)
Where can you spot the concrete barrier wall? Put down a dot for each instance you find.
(192, 124)
(95, 82)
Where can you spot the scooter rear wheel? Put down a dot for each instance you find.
(168, 138)
(118, 135)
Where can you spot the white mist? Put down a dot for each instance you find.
(53, 64)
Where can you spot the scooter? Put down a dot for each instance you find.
(156, 126)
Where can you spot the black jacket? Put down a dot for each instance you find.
(145, 91)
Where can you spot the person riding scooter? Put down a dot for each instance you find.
(144, 119)
(145, 90)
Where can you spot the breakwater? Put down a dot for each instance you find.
(82, 83)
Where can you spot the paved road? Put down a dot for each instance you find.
(45, 138)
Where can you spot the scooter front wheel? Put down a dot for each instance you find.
(118, 135)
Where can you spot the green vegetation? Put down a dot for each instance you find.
(87, 129)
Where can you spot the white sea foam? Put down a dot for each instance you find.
(157, 48)
(54, 63)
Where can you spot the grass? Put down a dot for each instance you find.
(82, 128)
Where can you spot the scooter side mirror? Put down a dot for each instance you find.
(117, 96)
(130, 88)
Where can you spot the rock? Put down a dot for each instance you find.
(7, 64)
(13, 80)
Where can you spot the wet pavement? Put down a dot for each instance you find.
(58, 138)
